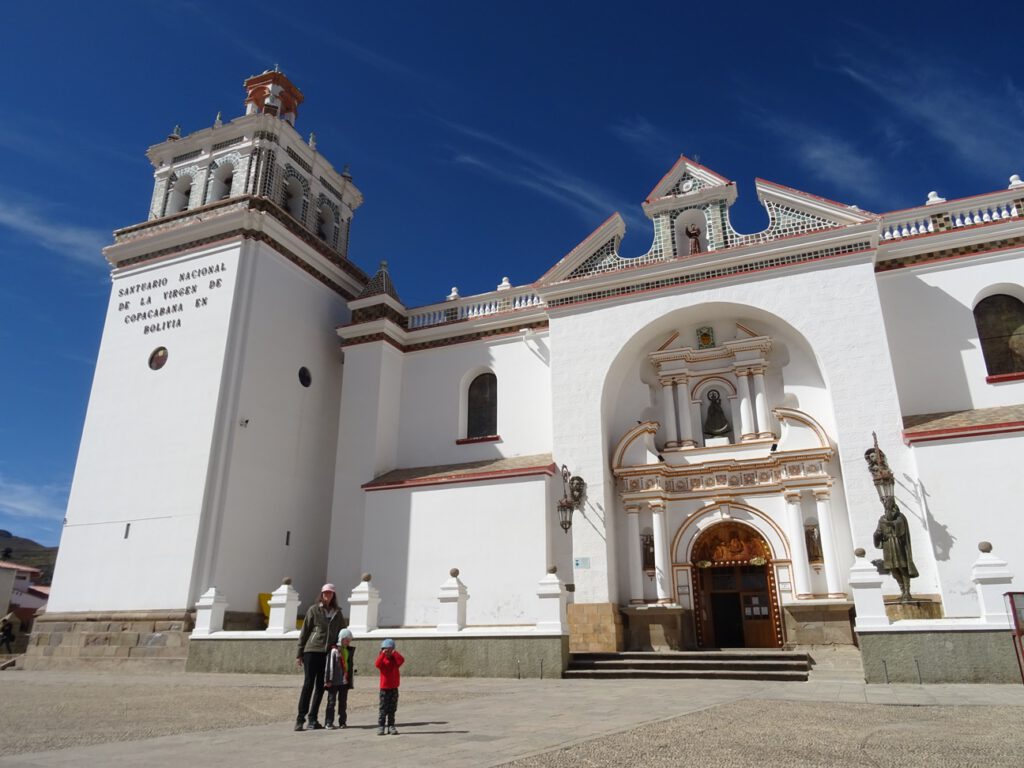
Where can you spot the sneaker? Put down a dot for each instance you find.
(343, 725)
(298, 727)
(380, 731)
(393, 731)
(315, 726)
(329, 726)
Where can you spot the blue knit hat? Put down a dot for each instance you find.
(389, 643)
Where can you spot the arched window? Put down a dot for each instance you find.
(294, 194)
(1000, 322)
(181, 191)
(482, 406)
(326, 223)
(220, 185)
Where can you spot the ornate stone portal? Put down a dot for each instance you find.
(737, 603)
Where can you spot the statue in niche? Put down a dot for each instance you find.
(892, 536)
(715, 423)
(693, 233)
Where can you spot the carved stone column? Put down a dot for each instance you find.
(764, 425)
(662, 577)
(698, 429)
(685, 414)
(636, 564)
(828, 543)
(798, 545)
(746, 413)
(668, 397)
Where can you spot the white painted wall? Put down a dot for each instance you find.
(971, 490)
(433, 400)
(145, 447)
(495, 532)
(933, 340)
(279, 468)
(367, 447)
(834, 309)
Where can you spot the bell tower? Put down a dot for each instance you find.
(208, 451)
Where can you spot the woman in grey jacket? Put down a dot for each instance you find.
(322, 624)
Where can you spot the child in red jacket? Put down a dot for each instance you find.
(388, 663)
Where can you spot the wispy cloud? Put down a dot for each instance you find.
(828, 157)
(521, 167)
(646, 139)
(80, 244)
(32, 502)
(980, 122)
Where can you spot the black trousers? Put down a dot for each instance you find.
(312, 686)
(339, 692)
(388, 707)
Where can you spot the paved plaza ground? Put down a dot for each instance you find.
(119, 719)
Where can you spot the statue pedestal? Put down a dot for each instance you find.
(919, 608)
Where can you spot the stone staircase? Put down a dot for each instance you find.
(720, 665)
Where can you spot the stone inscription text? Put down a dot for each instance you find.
(159, 304)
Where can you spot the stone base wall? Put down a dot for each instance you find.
(939, 657)
(657, 628)
(61, 641)
(821, 624)
(516, 656)
(595, 628)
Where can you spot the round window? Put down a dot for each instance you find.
(158, 358)
(305, 379)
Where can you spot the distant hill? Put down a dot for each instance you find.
(15, 549)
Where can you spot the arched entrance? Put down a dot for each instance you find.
(737, 604)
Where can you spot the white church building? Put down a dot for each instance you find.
(264, 408)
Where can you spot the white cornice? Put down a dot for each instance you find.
(689, 200)
(813, 241)
(227, 221)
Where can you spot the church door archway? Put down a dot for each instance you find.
(737, 602)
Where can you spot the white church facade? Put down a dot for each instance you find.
(262, 408)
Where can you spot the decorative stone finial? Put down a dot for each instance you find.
(504, 285)
(366, 577)
(454, 573)
(175, 133)
(287, 580)
(217, 122)
(453, 295)
(859, 552)
(346, 173)
(934, 199)
(552, 569)
(312, 141)
(985, 546)
(384, 264)
(1015, 182)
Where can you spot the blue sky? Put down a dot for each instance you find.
(488, 140)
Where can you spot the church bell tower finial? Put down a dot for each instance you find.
(272, 93)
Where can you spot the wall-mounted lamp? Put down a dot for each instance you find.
(574, 491)
(881, 475)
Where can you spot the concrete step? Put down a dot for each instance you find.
(744, 664)
(684, 674)
(782, 665)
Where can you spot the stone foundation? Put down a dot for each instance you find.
(511, 656)
(68, 640)
(595, 628)
(982, 656)
(657, 628)
(818, 624)
(920, 608)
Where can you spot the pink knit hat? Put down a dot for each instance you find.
(328, 588)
